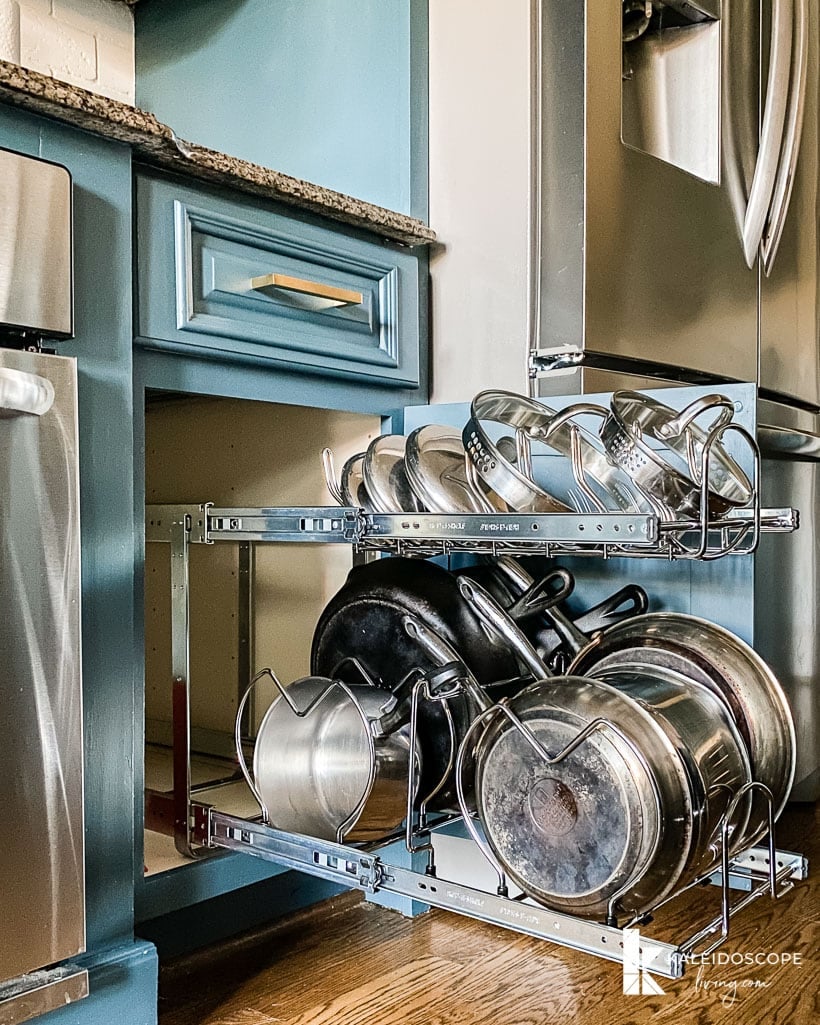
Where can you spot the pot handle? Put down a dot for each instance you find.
(569, 633)
(492, 615)
(445, 656)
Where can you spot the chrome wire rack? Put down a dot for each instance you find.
(201, 831)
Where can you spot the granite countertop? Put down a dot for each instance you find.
(156, 144)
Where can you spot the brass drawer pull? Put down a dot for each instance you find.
(319, 296)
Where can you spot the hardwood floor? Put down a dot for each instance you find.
(351, 963)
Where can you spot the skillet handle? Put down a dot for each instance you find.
(612, 608)
(569, 633)
(535, 596)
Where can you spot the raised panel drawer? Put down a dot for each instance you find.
(232, 280)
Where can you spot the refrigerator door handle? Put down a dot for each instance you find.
(774, 122)
(21, 392)
(791, 146)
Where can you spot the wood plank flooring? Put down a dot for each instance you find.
(352, 963)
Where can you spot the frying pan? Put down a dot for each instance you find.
(364, 621)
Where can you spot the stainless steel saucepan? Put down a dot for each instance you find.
(328, 761)
(714, 657)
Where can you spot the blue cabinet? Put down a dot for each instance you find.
(240, 280)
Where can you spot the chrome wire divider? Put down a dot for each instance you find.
(416, 837)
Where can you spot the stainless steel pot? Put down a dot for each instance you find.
(708, 742)
(604, 825)
(628, 802)
(322, 764)
(714, 657)
(632, 811)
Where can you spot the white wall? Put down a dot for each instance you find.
(479, 184)
(89, 43)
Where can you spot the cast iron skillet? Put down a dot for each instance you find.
(364, 620)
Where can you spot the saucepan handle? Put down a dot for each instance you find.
(443, 654)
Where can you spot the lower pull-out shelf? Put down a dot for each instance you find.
(762, 871)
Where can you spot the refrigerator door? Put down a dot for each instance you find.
(786, 612)
(41, 741)
(790, 293)
(642, 263)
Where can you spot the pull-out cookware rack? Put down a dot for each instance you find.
(200, 830)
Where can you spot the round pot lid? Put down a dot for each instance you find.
(385, 477)
(435, 465)
(353, 487)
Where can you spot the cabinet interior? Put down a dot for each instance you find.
(234, 453)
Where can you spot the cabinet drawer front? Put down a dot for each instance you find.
(257, 285)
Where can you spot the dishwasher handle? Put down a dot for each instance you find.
(23, 393)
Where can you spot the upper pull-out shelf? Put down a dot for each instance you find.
(425, 534)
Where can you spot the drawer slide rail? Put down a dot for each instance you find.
(356, 868)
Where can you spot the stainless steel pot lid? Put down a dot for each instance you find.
(385, 476)
(498, 472)
(612, 817)
(354, 491)
(602, 485)
(674, 479)
(436, 468)
(721, 661)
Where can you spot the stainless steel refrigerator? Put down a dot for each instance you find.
(42, 878)
(675, 237)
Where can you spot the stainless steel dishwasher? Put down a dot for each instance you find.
(42, 874)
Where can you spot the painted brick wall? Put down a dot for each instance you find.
(85, 42)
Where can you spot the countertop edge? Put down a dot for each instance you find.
(156, 144)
